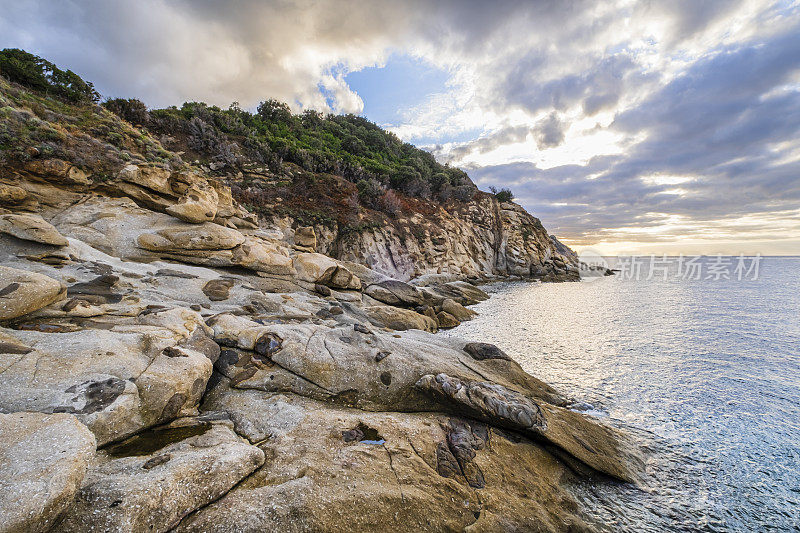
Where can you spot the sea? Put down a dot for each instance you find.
(700, 366)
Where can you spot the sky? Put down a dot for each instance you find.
(626, 126)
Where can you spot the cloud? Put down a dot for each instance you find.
(550, 131)
(169, 52)
(731, 123)
(632, 120)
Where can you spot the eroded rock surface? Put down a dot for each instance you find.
(24, 292)
(373, 471)
(43, 460)
(151, 481)
(236, 379)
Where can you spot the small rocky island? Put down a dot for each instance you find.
(196, 337)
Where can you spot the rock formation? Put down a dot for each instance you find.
(168, 360)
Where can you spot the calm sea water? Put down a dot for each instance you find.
(704, 374)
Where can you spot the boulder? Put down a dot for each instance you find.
(218, 290)
(399, 319)
(263, 256)
(364, 273)
(481, 351)
(446, 320)
(153, 178)
(23, 292)
(458, 311)
(116, 381)
(180, 239)
(57, 170)
(151, 481)
(198, 204)
(462, 292)
(43, 460)
(318, 268)
(394, 292)
(592, 443)
(31, 227)
(470, 294)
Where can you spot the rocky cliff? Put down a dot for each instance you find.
(171, 361)
(479, 238)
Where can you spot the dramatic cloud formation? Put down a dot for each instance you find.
(627, 125)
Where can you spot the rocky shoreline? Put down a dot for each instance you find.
(168, 364)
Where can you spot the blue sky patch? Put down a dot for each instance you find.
(404, 82)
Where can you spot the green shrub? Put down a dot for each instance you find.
(132, 110)
(503, 195)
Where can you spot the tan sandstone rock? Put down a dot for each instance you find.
(458, 311)
(318, 268)
(198, 204)
(305, 239)
(150, 481)
(58, 170)
(399, 319)
(11, 194)
(43, 459)
(23, 292)
(31, 227)
(153, 178)
(336, 469)
(180, 240)
(115, 381)
(263, 256)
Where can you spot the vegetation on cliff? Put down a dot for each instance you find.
(273, 159)
(336, 170)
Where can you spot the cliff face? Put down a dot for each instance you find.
(479, 238)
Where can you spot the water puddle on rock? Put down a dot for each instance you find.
(152, 440)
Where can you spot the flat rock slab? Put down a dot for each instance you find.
(43, 459)
(336, 469)
(151, 481)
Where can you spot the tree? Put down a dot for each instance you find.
(39, 74)
(503, 195)
(274, 111)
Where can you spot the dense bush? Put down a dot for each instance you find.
(345, 145)
(132, 110)
(39, 74)
(503, 195)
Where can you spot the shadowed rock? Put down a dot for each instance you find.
(590, 442)
(480, 351)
